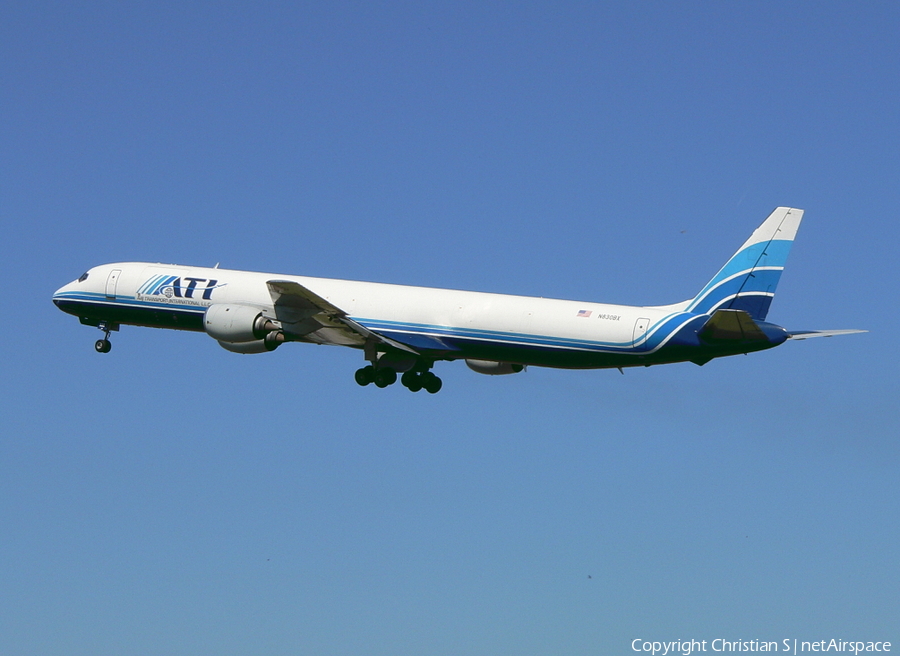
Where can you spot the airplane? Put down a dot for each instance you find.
(405, 330)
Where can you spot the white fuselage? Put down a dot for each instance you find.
(528, 330)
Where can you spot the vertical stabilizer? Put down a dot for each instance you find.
(748, 280)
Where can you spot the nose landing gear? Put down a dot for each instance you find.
(104, 345)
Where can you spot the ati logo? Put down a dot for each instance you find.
(178, 287)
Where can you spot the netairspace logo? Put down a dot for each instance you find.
(786, 646)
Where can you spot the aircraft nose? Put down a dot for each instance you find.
(60, 293)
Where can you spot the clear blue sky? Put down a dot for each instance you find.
(173, 498)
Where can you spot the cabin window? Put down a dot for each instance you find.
(83, 277)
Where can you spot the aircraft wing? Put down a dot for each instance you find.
(306, 315)
(807, 334)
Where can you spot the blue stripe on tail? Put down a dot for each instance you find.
(748, 280)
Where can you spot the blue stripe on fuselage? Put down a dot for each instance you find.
(677, 330)
(410, 334)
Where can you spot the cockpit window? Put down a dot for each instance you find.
(83, 277)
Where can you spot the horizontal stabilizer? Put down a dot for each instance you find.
(731, 326)
(807, 334)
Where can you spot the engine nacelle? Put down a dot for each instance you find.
(236, 323)
(491, 368)
(256, 346)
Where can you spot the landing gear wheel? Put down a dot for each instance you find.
(431, 383)
(385, 377)
(365, 375)
(102, 346)
(412, 381)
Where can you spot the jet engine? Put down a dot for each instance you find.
(256, 346)
(491, 368)
(242, 328)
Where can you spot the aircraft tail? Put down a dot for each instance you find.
(747, 281)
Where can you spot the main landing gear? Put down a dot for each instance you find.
(413, 380)
(382, 377)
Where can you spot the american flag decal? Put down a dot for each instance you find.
(584, 313)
